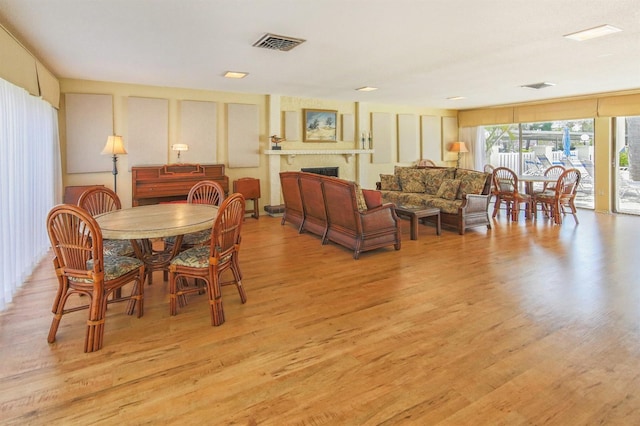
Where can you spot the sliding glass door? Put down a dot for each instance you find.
(627, 165)
(531, 148)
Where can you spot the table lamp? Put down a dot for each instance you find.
(458, 147)
(179, 147)
(114, 146)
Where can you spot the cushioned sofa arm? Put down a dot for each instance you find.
(474, 212)
(476, 203)
(383, 216)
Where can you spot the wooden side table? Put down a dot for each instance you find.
(415, 213)
(250, 190)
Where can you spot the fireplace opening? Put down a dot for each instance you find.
(325, 171)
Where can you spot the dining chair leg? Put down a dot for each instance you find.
(173, 290)
(574, 212)
(237, 275)
(515, 211)
(215, 300)
(95, 323)
(557, 213)
(496, 206)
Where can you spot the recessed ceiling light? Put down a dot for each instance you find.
(367, 89)
(456, 98)
(600, 31)
(236, 74)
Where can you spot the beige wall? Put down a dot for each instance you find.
(121, 92)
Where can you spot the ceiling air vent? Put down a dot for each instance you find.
(538, 86)
(277, 42)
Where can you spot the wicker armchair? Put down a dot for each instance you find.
(82, 268)
(209, 262)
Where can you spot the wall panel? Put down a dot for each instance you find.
(148, 137)
(89, 121)
(243, 135)
(199, 130)
(408, 138)
(431, 134)
(382, 133)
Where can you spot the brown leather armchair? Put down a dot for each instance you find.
(354, 228)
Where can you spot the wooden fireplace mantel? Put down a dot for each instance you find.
(274, 155)
(291, 153)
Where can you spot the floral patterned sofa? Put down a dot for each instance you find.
(461, 195)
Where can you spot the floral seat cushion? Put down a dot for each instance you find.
(117, 248)
(194, 238)
(197, 257)
(114, 267)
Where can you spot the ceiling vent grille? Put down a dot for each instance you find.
(538, 86)
(277, 42)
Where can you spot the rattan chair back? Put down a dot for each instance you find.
(98, 200)
(206, 192)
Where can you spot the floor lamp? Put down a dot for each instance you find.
(114, 146)
(458, 147)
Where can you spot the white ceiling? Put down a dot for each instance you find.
(417, 52)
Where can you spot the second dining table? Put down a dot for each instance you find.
(529, 180)
(144, 223)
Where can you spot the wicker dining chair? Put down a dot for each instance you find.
(506, 186)
(553, 171)
(82, 269)
(209, 262)
(203, 192)
(562, 197)
(99, 200)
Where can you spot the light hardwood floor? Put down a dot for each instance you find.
(526, 324)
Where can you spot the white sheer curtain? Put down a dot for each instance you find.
(30, 183)
(475, 141)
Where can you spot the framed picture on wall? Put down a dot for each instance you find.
(320, 125)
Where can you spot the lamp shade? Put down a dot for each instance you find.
(458, 147)
(114, 146)
(180, 147)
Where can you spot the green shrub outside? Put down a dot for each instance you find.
(623, 159)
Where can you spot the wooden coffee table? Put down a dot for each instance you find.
(415, 213)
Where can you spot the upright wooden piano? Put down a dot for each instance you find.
(171, 182)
